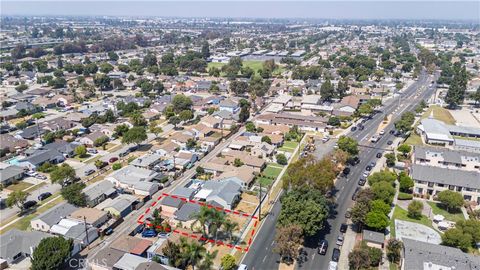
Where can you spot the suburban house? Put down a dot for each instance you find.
(223, 193)
(98, 192)
(40, 156)
(75, 230)
(305, 123)
(432, 180)
(229, 105)
(66, 148)
(46, 220)
(17, 245)
(89, 139)
(135, 179)
(105, 259)
(120, 206)
(91, 216)
(10, 173)
(147, 161)
(11, 143)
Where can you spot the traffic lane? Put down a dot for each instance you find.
(261, 254)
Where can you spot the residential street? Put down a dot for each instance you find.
(261, 255)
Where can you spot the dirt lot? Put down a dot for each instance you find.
(247, 204)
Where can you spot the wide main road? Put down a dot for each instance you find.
(261, 255)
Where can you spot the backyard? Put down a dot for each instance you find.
(269, 174)
(402, 214)
(288, 146)
(437, 209)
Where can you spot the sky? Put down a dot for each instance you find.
(352, 9)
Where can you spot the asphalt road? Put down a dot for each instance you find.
(261, 254)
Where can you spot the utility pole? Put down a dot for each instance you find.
(86, 231)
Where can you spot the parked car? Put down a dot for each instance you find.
(361, 127)
(242, 267)
(353, 128)
(31, 173)
(355, 193)
(340, 240)
(368, 168)
(322, 247)
(346, 171)
(44, 195)
(40, 176)
(101, 164)
(336, 255)
(392, 131)
(332, 265)
(382, 132)
(325, 139)
(389, 143)
(89, 172)
(372, 164)
(362, 181)
(379, 155)
(366, 174)
(29, 204)
(343, 228)
(113, 159)
(348, 213)
(353, 161)
(108, 231)
(92, 151)
(149, 233)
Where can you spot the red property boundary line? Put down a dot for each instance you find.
(202, 238)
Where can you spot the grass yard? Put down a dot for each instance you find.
(253, 64)
(437, 209)
(270, 172)
(439, 113)
(402, 214)
(288, 146)
(22, 185)
(414, 139)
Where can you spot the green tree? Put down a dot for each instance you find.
(394, 249)
(404, 149)
(121, 129)
(384, 191)
(327, 91)
(379, 206)
(406, 182)
(244, 114)
(281, 159)
(106, 68)
(205, 49)
(185, 115)
(74, 195)
(17, 198)
(51, 253)
(348, 145)
(451, 200)
(134, 135)
(250, 127)
(63, 174)
(174, 120)
(415, 209)
(81, 151)
(457, 238)
(307, 208)
(228, 262)
(405, 123)
(266, 139)
(155, 128)
(365, 109)
(377, 220)
(384, 175)
(113, 56)
(181, 103)
(391, 159)
(191, 252)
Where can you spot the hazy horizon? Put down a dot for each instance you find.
(355, 10)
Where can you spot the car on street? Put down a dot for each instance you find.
(89, 172)
(361, 127)
(101, 164)
(108, 231)
(353, 128)
(343, 228)
(374, 139)
(348, 213)
(149, 233)
(372, 164)
(336, 255)
(29, 204)
(382, 132)
(44, 195)
(355, 193)
(322, 247)
(92, 151)
(325, 139)
(379, 155)
(112, 159)
(392, 131)
(389, 143)
(340, 240)
(346, 171)
(242, 267)
(366, 174)
(353, 161)
(368, 168)
(362, 181)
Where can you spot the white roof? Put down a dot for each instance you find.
(203, 194)
(63, 226)
(282, 99)
(274, 107)
(129, 262)
(438, 218)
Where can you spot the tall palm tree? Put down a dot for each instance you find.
(229, 226)
(191, 252)
(207, 262)
(202, 217)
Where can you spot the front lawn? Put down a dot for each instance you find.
(22, 185)
(441, 114)
(437, 209)
(414, 139)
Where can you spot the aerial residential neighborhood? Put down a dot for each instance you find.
(225, 140)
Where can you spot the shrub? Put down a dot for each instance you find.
(404, 196)
(116, 166)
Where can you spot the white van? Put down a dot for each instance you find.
(242, 267)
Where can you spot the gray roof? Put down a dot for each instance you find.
(55, 214)
(463, 129)
(9, 171)
(185, 213)
(107, 257)
(14, 241)
(129, 262)
(43, 155)
(169, 201)
(419, 254)
(468, 179)
(450, 156)
(77, 233)
(373, 237)
(224, 191)
(183, 192)
(62, 146)
(98, 189)
(436, 130)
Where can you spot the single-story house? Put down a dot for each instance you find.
(98, 192)
(10, 173)
(46, 220)
(92, 216)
